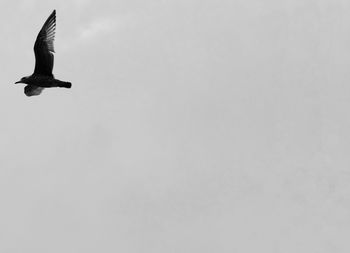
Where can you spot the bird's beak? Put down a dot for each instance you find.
(18, 82)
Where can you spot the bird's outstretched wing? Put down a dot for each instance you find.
(32, 90)
(43, 47)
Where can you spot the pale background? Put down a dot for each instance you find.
(192, 126)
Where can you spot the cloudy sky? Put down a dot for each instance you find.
(192, 126)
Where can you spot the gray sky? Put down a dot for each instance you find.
(192, 126)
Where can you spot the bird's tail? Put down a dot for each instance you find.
(65, 85)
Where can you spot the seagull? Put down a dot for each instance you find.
(43, 50)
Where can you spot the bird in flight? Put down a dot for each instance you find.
(43, 50)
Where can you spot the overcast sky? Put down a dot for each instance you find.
(192, 126)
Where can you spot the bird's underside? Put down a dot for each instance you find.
(32, 90)
(44, 60)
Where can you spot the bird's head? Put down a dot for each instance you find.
(23, 80)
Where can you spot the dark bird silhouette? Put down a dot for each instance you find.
(43, 50)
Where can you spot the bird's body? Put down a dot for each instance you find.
(46, 82)
(44, 58)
